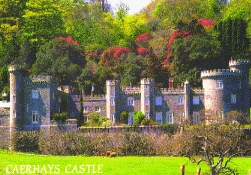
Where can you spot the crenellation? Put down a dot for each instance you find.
(220, 72)
(238, 62)
(156, 104)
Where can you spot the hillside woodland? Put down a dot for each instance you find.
(85, 43)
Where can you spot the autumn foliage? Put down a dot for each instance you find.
(107, 58)
(143, 38)
(207, 24)
(119, 52)
(186, 34)
(142, 51)
(68, 40)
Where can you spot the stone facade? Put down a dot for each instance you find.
(34, 99)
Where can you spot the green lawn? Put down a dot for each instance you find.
(119, 165)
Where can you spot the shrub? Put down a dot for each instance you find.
(170, 128)
(123, 117)
(138, 117)
(60, 117)
(108, 123)
(147, 121)
(26, 141)
(95, 120)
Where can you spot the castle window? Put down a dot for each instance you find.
(196, 100)
(169, 117)
(112, 101)
(219, 84)
(130, 101)
(233, 99)
(97, 109)
(53, 96)
(158, 100)
(180, 117)
(220, 116)
(196, 117)
(130, 118)
(34, 94)
(35, 116)
(147, 100)
(14, 99)
(113, 117)
(147, 115)
(14, 114)
(85, 109)
(159, 117)
(180, 100)
(27, 108)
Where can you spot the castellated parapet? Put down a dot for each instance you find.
(226, 90)
(239, 62)
(220, 72)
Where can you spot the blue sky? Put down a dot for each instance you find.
(135, 5)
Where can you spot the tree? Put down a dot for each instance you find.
(121, 11)
(191, 55)
(216, 144)
(43, 21)
(5, 81)
(123, 117)
(10, 24)
(130, 69)
(155, 69)
(233, 38)
(86, 22)
(138, 117)
(62, 58)
(171, 12)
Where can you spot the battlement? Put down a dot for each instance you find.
(40, 79)
(95, 97)
(147, 80)
(13, 68)
(89, 97)
(239, 62)
(220, 72)
(131, 90)
(112, 82)
(171, 91)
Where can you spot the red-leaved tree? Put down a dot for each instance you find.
(119, 52)
(142, 51)
(143, 39)
(184, 34)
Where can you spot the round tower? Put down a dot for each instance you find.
(16, 99)
(221, 91)
(243, 66)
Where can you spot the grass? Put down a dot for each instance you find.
(112, 166)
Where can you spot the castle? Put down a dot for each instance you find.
(34, 99)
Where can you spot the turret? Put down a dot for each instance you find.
(147, 87)
(16, 99)
(221, 90)
(112, 99)
(243, 66)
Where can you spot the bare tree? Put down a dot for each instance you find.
(213, 144)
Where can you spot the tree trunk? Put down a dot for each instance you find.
(213, 171)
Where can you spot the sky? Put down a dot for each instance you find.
(134, 5)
